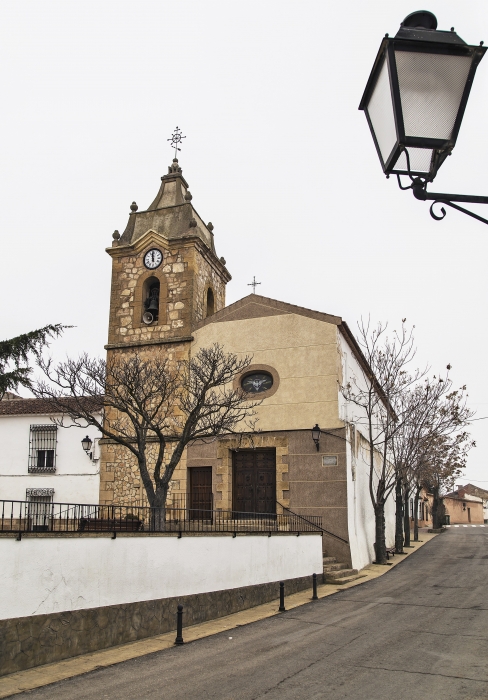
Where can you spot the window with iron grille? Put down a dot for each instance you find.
(39, 509)
(42, 448)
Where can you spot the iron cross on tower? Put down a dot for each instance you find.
(175, 139)
(253, 284)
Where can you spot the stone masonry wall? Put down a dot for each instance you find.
(185, 275)
(120, 481)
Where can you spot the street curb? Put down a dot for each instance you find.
(41, 676)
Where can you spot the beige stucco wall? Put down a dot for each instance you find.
(464, 511)
(304, 353)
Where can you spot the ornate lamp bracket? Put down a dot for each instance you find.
(418, 186)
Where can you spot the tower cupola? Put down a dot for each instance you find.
(171, 213)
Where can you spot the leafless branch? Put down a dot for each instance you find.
(146, 399)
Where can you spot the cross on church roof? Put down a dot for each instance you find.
(253, 284)
(175, 139)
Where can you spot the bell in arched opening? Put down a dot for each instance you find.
(151, 303)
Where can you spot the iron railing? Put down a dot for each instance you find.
(31, 516)
(199, 499)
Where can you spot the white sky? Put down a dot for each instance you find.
(277, 156)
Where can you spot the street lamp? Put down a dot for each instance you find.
(316, 435)
(415, 100)
(86, 444)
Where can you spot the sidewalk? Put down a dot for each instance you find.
(51, 673)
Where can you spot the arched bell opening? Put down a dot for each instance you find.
(210, 305)
(150, 296)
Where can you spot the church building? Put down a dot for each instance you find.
(168, 293)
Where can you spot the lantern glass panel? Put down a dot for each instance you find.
(380, 110)
(420, 160)
(431, 88)
(86, 443)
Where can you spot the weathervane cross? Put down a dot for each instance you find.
(175, 139)
(253, 284)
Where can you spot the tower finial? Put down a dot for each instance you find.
(175, 139)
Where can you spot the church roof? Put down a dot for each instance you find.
(256, 306)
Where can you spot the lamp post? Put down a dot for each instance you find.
(415, 100)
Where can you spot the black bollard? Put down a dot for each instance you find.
(314, 596)
(282, 597)
(179, 626)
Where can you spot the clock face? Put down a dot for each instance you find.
(153, 258)
(257, 382)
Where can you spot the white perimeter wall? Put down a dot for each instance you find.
(361, 520)
(77, 477)
(45, 575)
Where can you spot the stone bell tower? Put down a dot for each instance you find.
(166, 278)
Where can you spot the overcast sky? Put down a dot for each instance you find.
(277, 156)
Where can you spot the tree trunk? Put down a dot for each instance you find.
(416, 515)
(380, 544)
(437, 509)
(158, 509)
(398, 517)
(406, 515)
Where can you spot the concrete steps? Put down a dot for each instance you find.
(329, 560)
(333, 567)
(345, 579)
(337, 572)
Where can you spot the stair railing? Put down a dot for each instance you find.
(319, 527)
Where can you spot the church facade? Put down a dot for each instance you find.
(168, 293)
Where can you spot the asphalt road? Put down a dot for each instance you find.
(419, 632)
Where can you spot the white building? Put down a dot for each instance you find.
(41, 461)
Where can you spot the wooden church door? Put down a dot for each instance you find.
(254, 480)
(200, 492)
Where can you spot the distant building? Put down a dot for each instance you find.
(462, 508)
(481, 493)
(424, 514)
(42, 462)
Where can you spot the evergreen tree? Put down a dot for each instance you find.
(14, 356)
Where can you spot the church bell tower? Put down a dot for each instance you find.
(166, 274)
(166, 278)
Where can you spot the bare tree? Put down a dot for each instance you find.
(146, 401)
(426, 412)
(375, 393)
(404, 449)
(443, 466)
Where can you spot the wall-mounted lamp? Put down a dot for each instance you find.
(86, 444)
(316, 435)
